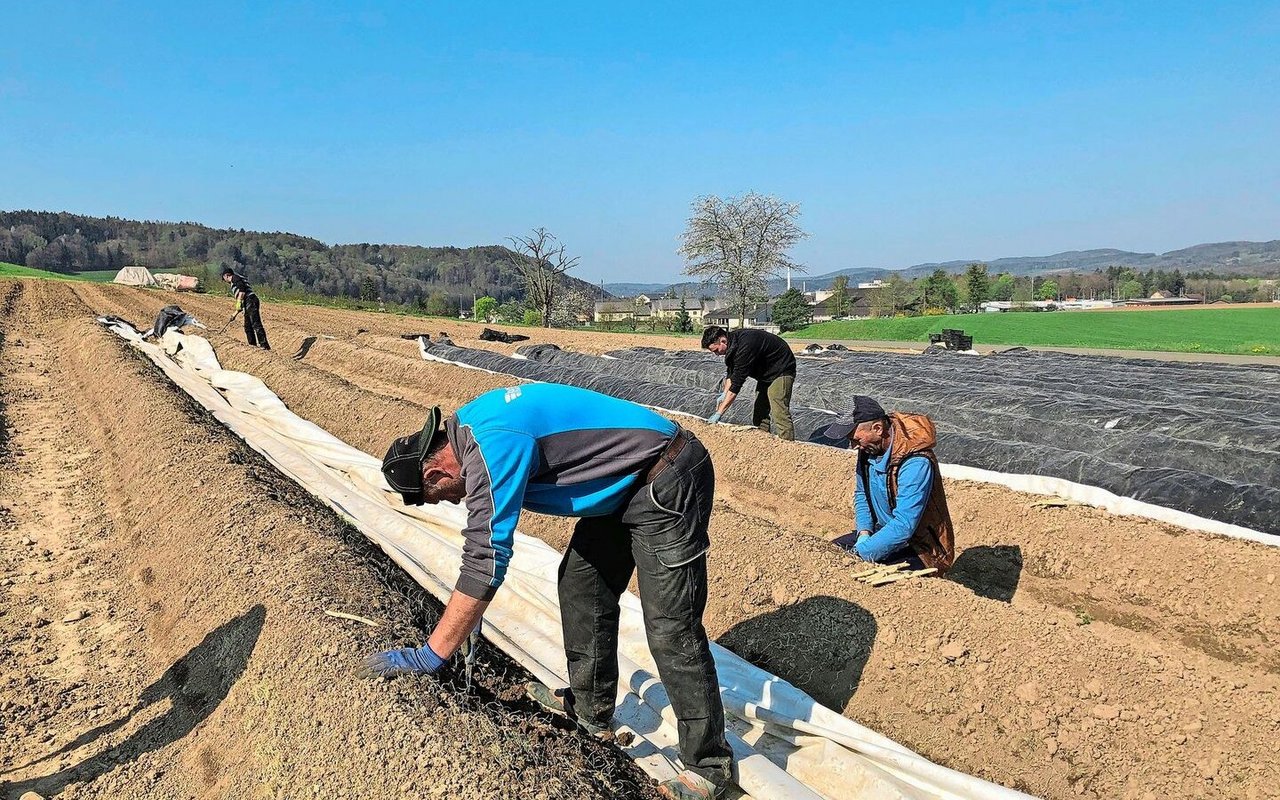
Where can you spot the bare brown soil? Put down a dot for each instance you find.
(162, 592)
(1073, 653)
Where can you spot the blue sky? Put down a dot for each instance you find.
(907, 132)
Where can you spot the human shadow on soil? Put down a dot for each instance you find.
(990, 571)
(305, 348)
(820, 644)
(194, 686)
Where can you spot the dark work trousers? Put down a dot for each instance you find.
(773, 403)
(661, 534)
(253, 330)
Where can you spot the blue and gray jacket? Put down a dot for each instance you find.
(891, 522)
(549, 448)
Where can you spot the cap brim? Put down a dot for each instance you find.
(838, 430)
(429, 429)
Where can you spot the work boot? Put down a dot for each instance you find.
(688, 786)
(560, 703)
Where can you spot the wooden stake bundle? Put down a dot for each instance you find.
(878, 569)
(894, 577)
(882, 574)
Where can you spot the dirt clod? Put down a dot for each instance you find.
(1106, 712)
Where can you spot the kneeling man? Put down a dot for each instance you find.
(899, 502)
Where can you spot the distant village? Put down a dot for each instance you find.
(644, 311)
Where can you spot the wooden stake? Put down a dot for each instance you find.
(352, 617)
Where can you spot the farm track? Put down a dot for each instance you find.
(1105, 656)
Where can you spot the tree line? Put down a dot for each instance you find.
(943, 293)
(940, 292)
(439, 278)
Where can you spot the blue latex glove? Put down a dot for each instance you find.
(404, 661)
(714, 418)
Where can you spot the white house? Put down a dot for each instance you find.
(759, 317)
(642, 308)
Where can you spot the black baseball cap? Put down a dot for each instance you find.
(402, 465)
(860, 409)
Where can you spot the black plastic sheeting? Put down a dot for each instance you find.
(1196, 437)
(697, 400)
(491, 335)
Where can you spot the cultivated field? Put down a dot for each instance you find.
(1102, 656)
(1250, 330)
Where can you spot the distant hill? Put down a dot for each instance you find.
(1223, 258)
(690, 289)
(69, 243)
(633, 289)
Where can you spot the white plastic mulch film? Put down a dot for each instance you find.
(786, 745)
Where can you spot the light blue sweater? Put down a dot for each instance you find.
(891, 527)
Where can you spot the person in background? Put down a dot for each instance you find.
(753, 353)
(900, 505)
(247, 301)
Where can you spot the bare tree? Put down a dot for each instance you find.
(740, 243)
(541, 260)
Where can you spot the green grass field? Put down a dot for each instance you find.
(1246, 331)
(8, 270)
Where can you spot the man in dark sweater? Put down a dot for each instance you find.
(247, 301)
(753, 353)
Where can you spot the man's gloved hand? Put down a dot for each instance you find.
(239, 305)
(404, 661)
(849, 542)
(846, 542)
(714, 418)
